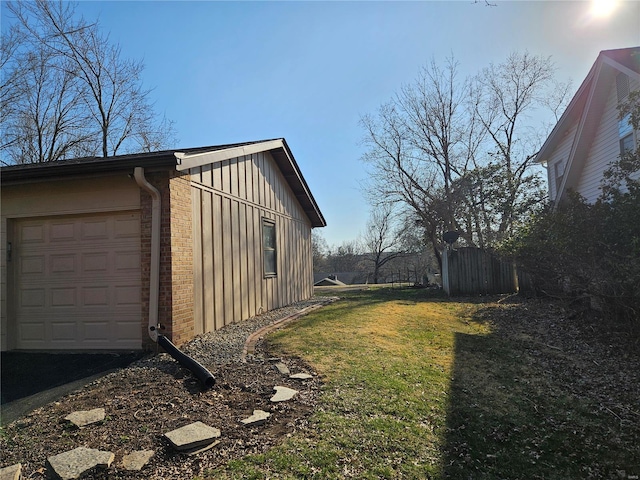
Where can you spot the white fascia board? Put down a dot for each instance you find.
(579, 137)
(563, 123)
(618, 66)
(193, 160)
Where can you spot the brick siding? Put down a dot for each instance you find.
(181, 256)
(175, 308)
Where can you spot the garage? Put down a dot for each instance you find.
(98, 253)
(77, 282)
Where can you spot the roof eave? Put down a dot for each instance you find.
(283, 157)
(95, 166)
(572, 112)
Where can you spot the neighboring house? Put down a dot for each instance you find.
(347, 278)
(330, 281)
(590, 135)
(96, 250)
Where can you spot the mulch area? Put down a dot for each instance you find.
(590, 358)
(143, 403)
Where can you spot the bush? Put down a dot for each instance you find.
(589, 251)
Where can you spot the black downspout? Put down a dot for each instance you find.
(202, 374)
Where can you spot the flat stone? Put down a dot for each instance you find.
(301, 376)
(136, 460)
(83, 418)
(197, 450)
(13, 472)
(192, 436)
(283, 394)
(258, 418)
(282, 368)
(74, 463)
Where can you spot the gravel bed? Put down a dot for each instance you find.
(225, 345)
(156, 395)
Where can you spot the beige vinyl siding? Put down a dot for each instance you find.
(230, 199)
(605, 148)
(559, 157)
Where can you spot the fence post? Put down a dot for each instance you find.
(445, 271)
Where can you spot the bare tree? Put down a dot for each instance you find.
(345, 257)
(10, 81)
(381, 240)
(458, 153)
(319, 249)
(419, 143)
(506, 94)
(47, 121)
(90, 89)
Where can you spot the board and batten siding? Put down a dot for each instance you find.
(230, 198)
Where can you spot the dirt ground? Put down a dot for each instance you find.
(142, 404)
(146, 401)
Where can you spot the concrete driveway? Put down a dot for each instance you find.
(31, 380)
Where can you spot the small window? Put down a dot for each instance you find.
(626, 144)
(624, 126)
(269, 247)
(625, 133)
(558, 169)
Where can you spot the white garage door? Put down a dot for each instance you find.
(77, 282)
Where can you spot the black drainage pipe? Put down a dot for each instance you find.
(202, 374)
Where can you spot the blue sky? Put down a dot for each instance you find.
(230, 72)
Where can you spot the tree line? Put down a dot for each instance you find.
(447, 153)
(67, 91)
(385, 252)
(458, 154)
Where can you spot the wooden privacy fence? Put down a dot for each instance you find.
(472, 271)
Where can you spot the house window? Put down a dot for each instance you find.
(625, 133)
(626, 144)
(558, 170)
(269, 252)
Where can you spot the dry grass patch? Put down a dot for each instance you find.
(385, 357)
(418, 387)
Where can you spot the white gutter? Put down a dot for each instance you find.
(154, 281)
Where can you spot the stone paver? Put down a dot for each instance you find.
(282, 368)
(74, 463)
(283, 394)
(13, 472)
(301, 376)
(258, 418)
(136, 460)
(83, 418)
(192, 436)
(196, 451)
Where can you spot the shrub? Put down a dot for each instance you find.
(589, 251)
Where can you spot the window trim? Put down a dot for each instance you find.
(631, 146)
(558, 171)
(269, 223)
(626, 134)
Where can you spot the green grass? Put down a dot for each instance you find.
(415, 387)
(386, 357)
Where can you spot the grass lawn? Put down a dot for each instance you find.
(423, 387)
